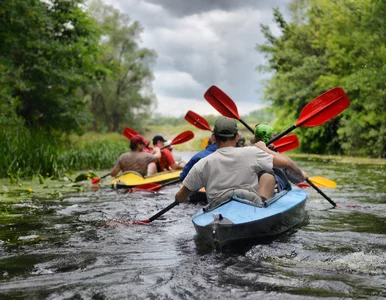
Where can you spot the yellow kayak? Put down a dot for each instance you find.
(132, 178)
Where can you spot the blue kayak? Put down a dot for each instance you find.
(238, 219)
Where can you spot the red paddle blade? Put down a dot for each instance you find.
(129, 133)
(154, 187)
(221, 102)
(287, 143)
(197, 120)
(303, 185)
(182, 138)
(323, 108)
(137, 222)
(95, 180)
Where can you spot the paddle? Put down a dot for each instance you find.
(96, 179)
(197, 120)
(320, 182)
(223, 104)
(323, 182)
(151, 187)
(157, 215)
(318, 111)
(129, 133)
(181, 138)
(287, 143)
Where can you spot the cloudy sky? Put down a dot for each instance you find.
(202, 43)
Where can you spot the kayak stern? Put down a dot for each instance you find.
(237, 220)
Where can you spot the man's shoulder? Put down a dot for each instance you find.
(126, 154)
(250, 149)
(251, 152)
(138, 154)
(202, 160)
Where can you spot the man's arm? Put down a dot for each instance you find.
(171, 161)
(177, 166)
(183, 194)
(115, 171)
(156, 153)
(294, 173)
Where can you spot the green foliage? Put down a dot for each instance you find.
(158, 119)
(264, 115)
(48, 50)
(124, 97)
(328, 44)
(33, 152)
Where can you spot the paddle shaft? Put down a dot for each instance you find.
(166, 209)
(320, 192)
(247, 126)
(124, 186)
(181, 138)
(276, 137)
(96, 180)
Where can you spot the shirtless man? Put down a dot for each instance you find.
(137, 160)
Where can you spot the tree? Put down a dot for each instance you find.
(48, 50)
(124, 97)
(328, 44)
(262, 115)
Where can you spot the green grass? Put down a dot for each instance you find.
(340, 159)
(28, 152)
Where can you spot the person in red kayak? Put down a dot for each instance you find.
(167, 161)
(244, 171)
(137, 160)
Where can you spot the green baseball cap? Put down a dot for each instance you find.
(263, 132)
(225, 127)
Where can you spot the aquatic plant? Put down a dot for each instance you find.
(33, 152)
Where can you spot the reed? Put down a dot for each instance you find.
(32, 152)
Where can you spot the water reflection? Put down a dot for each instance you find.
(59, 249)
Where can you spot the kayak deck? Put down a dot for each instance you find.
(132, 179)
(238, 219)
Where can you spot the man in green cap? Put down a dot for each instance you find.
(263, 132)
(245, 171)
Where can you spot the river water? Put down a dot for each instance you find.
(62, 248)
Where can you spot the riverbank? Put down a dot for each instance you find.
(30, 154)
(339, 159)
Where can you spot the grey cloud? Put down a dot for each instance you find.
(188, 7)
(229, 61)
